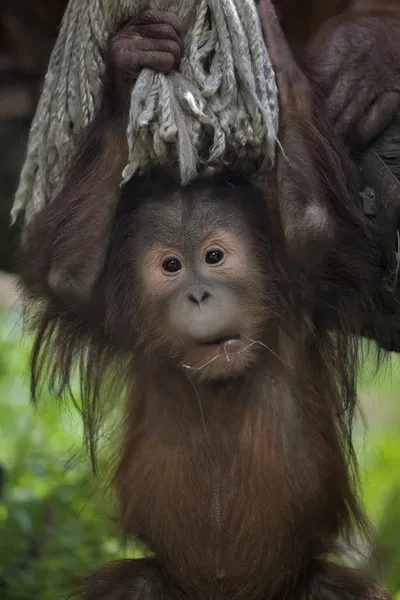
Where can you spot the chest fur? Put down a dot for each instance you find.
(224, 501)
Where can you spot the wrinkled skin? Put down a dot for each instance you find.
(153, 40)
(356, 61)
(354, 58)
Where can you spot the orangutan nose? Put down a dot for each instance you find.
(199, 294)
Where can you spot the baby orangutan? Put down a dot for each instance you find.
(233, 469)
(234, 465)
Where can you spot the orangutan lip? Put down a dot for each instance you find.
(222, 340)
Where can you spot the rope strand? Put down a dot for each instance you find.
(220, 106)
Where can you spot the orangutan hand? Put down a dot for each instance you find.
(153, 39)
(356, 61)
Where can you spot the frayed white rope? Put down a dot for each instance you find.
(220, 107)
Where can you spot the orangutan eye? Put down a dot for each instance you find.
(172, 265)
(213, 257)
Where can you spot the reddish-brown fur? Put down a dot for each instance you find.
(237, 487)
(240, 488)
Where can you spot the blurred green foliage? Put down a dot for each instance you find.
(379, 454)
(55, 517)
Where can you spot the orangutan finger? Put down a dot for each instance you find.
(376, 119)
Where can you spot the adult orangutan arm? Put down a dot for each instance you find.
(355, 59)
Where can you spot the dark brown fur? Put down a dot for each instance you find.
(241, 487)
(236, 486)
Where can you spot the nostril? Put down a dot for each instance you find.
(198, 296)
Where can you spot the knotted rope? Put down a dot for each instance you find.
(219, 108)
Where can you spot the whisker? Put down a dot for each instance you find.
(199, 368)
(199, 402)
(226, 355)
(252, 343)
(269, 350)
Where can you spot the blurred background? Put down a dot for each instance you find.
(55, 517)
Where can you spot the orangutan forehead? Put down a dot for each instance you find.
(190, 217)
